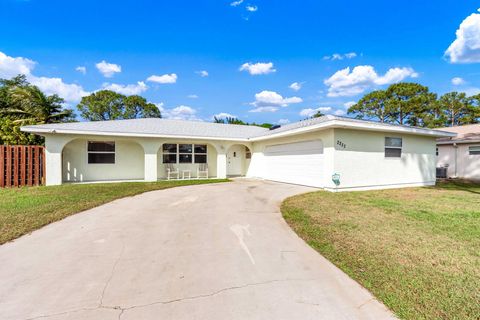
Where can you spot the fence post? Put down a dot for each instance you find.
(2, 166)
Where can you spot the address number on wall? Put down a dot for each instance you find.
(341, 144)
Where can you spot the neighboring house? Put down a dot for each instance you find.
(460, 154)
(334, 153)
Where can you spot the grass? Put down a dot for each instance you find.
(417, 249)
(23, 210)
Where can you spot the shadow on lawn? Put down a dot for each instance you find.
(461, 185)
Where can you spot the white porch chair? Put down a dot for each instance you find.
(172, 171)
(202, 171)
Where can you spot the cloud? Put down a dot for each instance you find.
(192, 96)
(349, 104)
(236, 3)
(130, 89)
(339, 56)
(472, 91)
(108, 69)
(164, 79)
(223, 115)
(264, 109)
(339, 112)
(251, 8)
(202, 73)
(309, 112)
(258, 68)
(81, 69)
(69, 92)
(349, 83)
(457, 81)
(466, 47)
(296, 86)
(283, 121)
(12, 66)
(180, 113)
(273, 99)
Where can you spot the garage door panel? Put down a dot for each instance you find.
(299, 163)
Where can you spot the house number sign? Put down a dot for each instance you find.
(341, 144)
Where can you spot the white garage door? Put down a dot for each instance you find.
(299, 163)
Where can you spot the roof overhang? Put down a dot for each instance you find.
(43, 131)
(337, 123)
(444, 142)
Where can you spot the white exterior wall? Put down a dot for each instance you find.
(129, 162)
(465, 166)
(362, 163)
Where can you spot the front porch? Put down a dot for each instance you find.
(108, 159)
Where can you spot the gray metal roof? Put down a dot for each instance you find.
(198, 129)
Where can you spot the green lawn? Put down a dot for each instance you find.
(415, 249)
(23, 210)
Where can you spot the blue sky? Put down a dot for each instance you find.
(253, 51)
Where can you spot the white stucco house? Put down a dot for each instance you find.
(460, 155)
(334, 153)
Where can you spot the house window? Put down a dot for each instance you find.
(184, 153)
(102, 152)
(393, 147)
(474, 150)
(169, 151)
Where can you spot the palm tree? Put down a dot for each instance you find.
(31, 105)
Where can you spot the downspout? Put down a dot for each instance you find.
(455, 146)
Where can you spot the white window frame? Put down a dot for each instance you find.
(193, 153)
(104, 152)
(477, 150)
(392, 147)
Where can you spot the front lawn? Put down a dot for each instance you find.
(417, 249)
(23, 210)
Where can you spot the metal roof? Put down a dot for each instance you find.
(156, 127)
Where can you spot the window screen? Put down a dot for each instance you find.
(101, 152)
(393, 147)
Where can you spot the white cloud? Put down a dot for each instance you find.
(472, 91)
(339, 56)
(81, 69)
(309, 112)
(192, 96)
(339, 112)
(272, 99)
(466, 47)
(236, 3)
(349, 83)
(180, 113)
(264, 109)
(251, 8)
(130, 89)
(283, 121)
(223, 115)
(202, 73)
(258, 68)
(349, 104)
(164, 79)
(296, 86)
(457, 81)
(12, 66)
(108, 69)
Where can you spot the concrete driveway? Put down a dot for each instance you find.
(219, 251)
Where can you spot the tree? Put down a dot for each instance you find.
(318, 114)
(233, 120)
(371, 106)
(109, 105)
(457, 109)
(406, 101)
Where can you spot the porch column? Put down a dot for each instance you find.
(221, 164)
(53, 159)
(151, 162)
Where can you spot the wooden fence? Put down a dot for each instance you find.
(22, 166)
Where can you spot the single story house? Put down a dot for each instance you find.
(460, 155)
(330, 152)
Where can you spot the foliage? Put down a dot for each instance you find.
(109, 105)
(232, 120)
(24, 104)
(413, 104)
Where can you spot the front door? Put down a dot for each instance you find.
(235, 160)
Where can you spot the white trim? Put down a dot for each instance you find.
(457, 141)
